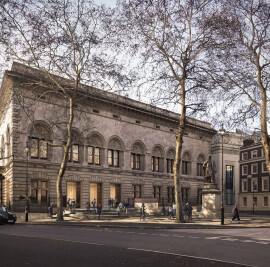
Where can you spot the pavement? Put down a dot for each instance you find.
(150, 222)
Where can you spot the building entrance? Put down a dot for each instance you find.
(95, 192)
(115, 193)
(74, 192)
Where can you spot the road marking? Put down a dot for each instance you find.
(246, 241)
(178, 235)
(229, 239)
(193, 237)
(261, 242)
(212, 237)
(188, 256)
(153, 234)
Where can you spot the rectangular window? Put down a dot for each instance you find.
(244, 169)
(43, 149)
(39, 190)
(170, 194)
(136, 191)
(185, 195)
(170, 163)
(157, 193)
(113, 158)
(184, 167)
(265, 201)
(254, 154)
(244, 201)
(90, 152)
(135, 161)
(229, 184)
(265, 184)
(254, 168)
(264, 167)
(254, 185)
(110, 157)
(97, 155)
(75, 153)
(255, 201)
(200, 169)
(244, 156)
(34, 148)
(155, 164)
(244, 186)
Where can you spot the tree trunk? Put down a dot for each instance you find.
(176, 166)
(265, 138)
(64, 164)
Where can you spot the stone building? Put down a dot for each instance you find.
(254, 178)
(122, 148)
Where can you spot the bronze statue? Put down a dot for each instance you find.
(209, 170)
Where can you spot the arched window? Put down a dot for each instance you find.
(186, 164)
(95, 150)
(200, 162)
(115, 154)
(137, 156)
(157, 159)
(39, 135)
(170, 160)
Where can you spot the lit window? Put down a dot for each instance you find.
(155, 164)
(113, 158)
(73, 155)
(135, 161)
(93, 154)
(38, 148)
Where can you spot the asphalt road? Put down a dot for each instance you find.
(55, 245)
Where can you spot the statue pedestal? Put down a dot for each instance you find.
(211, 197)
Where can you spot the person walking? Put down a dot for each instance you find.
(94, 203)
(142, 212)
(170, 212)
(189, 212)
(99, 208)
(235, 211)
(51, 211)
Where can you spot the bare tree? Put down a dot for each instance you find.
(66, 42)
(243, 63)
(169, 40)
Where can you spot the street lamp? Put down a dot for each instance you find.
(253, 200)
(26, 150)
(222, 133)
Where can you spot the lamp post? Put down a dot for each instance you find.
(222, 132)
(253, 200)
(26, 150)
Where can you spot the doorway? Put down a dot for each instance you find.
(95, 192)
(74, 192)
(115, 192)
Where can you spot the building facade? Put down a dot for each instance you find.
(121, 148)
(254, 178)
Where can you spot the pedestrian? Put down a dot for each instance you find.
(126, 206)
(99, 208)
(235, 212)
(51, 210)
(88, 206)
(174, 210)
(170, 212)
(69, 203)
(189, 212)
(142, 212)
(94, 203)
